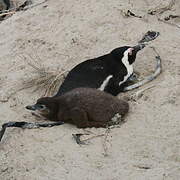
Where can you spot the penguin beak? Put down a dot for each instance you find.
(32, 107)
(138, 48)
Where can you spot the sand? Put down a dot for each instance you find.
(61, 34)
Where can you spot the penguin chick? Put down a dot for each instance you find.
(83, 107)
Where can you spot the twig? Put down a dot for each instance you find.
(82, 142)
(139, 93)
(169, 23)
(99, 135)
(142, 167)
(128, 13)
(171, 17)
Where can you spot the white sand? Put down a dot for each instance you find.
(63, 34)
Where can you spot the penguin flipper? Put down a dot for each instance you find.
(113, 86)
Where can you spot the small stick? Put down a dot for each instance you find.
(142, 167)
(138, 94)
(99, 135)
(130, 13)
(171, 17)
(169, 23)
(82, 142)
(27, 125)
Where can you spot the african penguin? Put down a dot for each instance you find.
(83, 107)
(107, 73)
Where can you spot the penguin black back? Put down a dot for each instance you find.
(107, 73)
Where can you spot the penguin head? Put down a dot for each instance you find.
(43, 105)
(127, 52)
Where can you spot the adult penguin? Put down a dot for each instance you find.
(107, 73)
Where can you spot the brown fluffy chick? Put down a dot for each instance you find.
(83, 107)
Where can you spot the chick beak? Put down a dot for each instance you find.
(31, 107)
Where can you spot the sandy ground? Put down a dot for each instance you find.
(61, 34)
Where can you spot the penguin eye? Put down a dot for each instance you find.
(41, 106)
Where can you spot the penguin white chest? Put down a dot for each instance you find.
(128, 66)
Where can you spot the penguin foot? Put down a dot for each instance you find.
(134, 77)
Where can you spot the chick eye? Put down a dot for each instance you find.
(42, 106)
